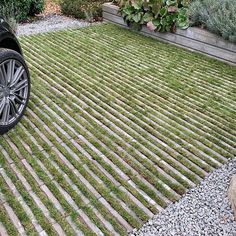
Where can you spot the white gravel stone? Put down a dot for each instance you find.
(202, 211)
(49, 24)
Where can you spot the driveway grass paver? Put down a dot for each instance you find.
(118, 126)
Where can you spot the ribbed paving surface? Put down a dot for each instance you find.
(118, 127)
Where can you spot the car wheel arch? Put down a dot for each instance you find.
(10, 43)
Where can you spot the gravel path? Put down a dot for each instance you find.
(204, 210)
(50, 23)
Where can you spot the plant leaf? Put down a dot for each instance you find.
(147, 17)
(163, 11)
(151, 26)
(137, 17)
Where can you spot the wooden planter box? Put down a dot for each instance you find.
(193, 38)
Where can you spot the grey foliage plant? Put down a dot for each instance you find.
(218, 16)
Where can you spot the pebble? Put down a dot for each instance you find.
(49, 24)
(203, 211)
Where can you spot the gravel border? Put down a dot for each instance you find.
(49, 24)
(204, 210)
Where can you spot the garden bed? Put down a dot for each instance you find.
(193, 38)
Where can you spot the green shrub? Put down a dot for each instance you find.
(23, 8)
(83, 9)
(159, 15)
(8, 12)
(36, 7)
(218, 16)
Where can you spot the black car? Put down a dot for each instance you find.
(14, 79)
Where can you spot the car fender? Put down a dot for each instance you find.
(7, 38)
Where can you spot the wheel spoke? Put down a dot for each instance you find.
(19, 99)
(6, 113)
(10, 70)
(15, 78)
(2, 104)
(3, 75)
(1, 92)
(21, 85)
(13, 107)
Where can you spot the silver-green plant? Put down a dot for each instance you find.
(218, 16)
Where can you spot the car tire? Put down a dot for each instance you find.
(14, 88)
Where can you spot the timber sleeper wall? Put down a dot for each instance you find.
(193, 38)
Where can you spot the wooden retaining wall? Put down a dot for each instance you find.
(193, 38)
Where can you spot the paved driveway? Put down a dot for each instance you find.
(118, 127)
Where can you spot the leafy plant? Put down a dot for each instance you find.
(159, 15)
(36, 6)
(21, 9)
(218, 16)
(8, 12)
(90, 9)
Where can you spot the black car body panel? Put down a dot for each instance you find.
(7, 37)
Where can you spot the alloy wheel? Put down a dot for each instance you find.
(14, 89)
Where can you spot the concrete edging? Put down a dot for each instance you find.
(193, 38)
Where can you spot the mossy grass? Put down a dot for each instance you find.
(110, 111)
(80, 121)
(30, 202)
(6, 221)
(78, 200)
(58, 176)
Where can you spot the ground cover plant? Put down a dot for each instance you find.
(118, 127)
(158, 15)
(19, 10)
(90, 9)
(218, 16)
(7, 11)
